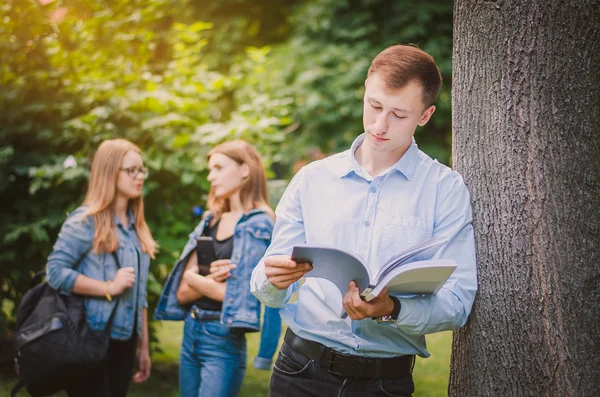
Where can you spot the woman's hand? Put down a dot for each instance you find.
(124, 279)
(220, 270)
(144, 365)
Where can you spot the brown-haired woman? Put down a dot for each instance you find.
(214, 298)
(111, 220)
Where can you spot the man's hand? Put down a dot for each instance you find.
(220, 270)
(282, 271)
(358, 309)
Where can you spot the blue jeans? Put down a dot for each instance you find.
(213, 357)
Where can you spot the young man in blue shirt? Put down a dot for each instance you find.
(378, 198)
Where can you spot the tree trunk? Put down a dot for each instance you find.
(526, 120)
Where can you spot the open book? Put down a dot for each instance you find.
(402, 274)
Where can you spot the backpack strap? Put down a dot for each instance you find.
(114, 309)
(17, 388)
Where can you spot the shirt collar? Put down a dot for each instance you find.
(131, 220)
(406, 165)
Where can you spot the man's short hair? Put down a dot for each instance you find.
(400, 64)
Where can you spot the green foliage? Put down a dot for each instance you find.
(320, 70)
(118, 69)
(177, 77)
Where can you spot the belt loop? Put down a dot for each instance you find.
(321, 356)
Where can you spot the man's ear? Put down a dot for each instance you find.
(426, 115)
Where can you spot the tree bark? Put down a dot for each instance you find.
(526, 138)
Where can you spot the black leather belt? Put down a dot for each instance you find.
(351, 366)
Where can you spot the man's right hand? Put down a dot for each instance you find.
(282, 271)
(124, 280)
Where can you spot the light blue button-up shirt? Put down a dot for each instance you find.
(336, 202)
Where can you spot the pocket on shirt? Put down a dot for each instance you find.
(410, 227)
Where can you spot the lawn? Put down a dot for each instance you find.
(431, 375)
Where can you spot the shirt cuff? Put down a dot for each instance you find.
(262, 363)
(267, 293)
(67, 285)
(270, 295)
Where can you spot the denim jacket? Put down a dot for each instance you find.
(240, 308)
(73, 255)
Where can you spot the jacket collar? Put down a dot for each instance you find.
(247, 215)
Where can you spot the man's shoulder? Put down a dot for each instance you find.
(336, 163)
(442, 172)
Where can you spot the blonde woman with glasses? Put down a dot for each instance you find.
(111, 220)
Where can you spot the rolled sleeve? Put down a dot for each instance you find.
(262, 363)
(74, 241)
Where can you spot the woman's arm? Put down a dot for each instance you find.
(124, 279)
(143, 351)
(90, 287)
(208, 287)
(185, 293)
(73, 243)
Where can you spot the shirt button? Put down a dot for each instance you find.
(367, 223)
(373, 190)
(230, 300)
(229, 321)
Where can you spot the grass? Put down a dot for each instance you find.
(431, 375)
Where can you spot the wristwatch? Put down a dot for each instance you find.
(393, 316)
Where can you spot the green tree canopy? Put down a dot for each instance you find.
(177, 77)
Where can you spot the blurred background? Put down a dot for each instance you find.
(176, 78)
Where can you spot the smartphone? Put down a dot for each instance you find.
(205, 249)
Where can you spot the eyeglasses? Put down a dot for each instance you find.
(133, 171)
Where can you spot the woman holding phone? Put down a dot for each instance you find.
(111, 220)
(209, 286)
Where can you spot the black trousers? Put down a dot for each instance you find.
(295, 375)
(113, 377)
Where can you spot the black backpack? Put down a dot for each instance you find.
(56, 349)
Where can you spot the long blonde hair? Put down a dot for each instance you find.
(102, 192)
(253, 193)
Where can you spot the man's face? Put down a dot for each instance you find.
(390, 117)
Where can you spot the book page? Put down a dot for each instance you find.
(338, 266)
(423, 277)
(424, 250)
